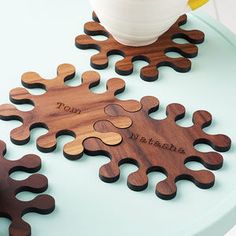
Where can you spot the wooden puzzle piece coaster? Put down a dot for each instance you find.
(65, 109)
(155, 54)
(13, 208)
(160, 145)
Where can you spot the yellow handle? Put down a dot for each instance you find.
(194, 4)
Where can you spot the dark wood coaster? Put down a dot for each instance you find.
(65, 109)
(155, 54)
(160, 145)
(10, 206)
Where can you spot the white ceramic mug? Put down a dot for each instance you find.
(140, 22)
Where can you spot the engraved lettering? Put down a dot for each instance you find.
(75, 110)
(133, 136)
(173, 148)
(143, 140)
(156, 143)
(151, 142)
(60, 104)
(67, 108)
(181, 150)
(165, 146)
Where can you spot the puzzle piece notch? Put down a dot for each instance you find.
(160, 145)
(67, 110)
(154, 54)
(10, 206)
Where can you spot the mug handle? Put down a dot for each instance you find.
(194, 4)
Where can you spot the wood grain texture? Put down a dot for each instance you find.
(10, 206)
(160, 145)
(65, 109)
(155, 54)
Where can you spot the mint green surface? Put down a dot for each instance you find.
(38, 36)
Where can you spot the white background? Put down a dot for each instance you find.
(224, 11)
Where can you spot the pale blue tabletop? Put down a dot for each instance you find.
(38, 36)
